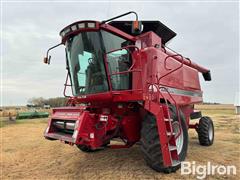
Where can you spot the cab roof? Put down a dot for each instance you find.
(157, 27)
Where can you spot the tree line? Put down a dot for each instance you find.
(53, 102)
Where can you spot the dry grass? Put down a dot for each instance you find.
(27, 155)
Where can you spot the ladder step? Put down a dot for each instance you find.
(166, 119)
(170, 134)
(172, 148)
(175, 162)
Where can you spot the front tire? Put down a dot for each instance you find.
(87, 149)
(150, 144)
(205, 131)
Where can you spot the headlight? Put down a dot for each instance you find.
(81, 25)
(77, 26)
(67, 30)
(74, 27)
(91, 25)
(62, 34)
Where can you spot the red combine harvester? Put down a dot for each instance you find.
(127, 84)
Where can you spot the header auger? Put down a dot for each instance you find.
(127, 84)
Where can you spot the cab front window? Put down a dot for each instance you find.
(85, 56)
(85, 59)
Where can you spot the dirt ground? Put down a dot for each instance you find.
(25, 154)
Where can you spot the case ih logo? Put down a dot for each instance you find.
(67, 114)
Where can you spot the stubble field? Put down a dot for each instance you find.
(25, 154)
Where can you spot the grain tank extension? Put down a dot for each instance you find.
(126, 84)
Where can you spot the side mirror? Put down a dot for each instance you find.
(46, 60)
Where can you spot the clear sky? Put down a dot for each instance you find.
(207, 32)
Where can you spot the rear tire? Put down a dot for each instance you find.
(150, 144)
(205, 131)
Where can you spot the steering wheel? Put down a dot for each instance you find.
(90, 61)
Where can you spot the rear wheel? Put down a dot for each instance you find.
(150, 144)
(205, 131)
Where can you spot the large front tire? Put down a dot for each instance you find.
(87, 149)
(150, 144)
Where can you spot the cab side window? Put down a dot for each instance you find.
(118, 61)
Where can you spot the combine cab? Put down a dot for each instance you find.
(127, 84)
